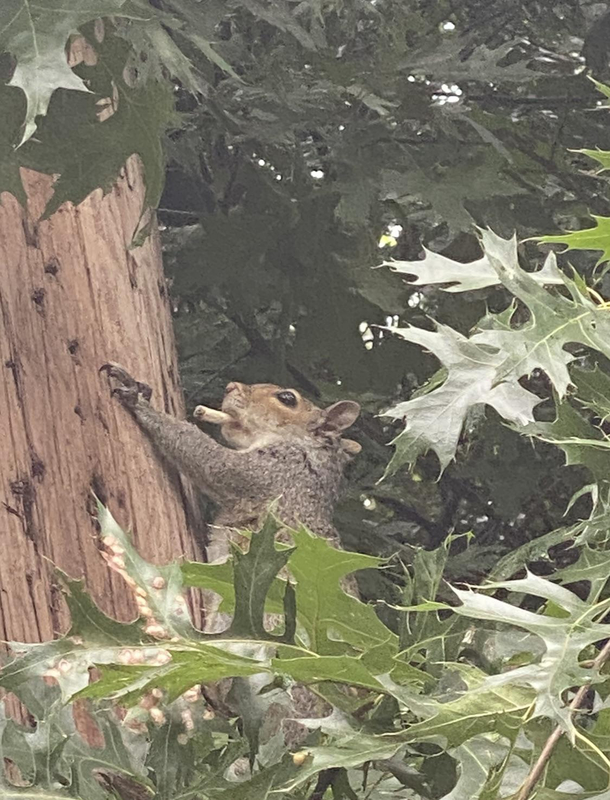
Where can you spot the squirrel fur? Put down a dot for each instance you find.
(282, 448)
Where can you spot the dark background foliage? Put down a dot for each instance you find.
(431, 116)
(304, 132)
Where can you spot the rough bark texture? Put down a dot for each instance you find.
(73, 296)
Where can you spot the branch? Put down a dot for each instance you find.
(325, 780)
(538, 768)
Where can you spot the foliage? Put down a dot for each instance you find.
(486, 367)
(298, 138)
(416, 721)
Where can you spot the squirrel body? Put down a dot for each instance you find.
(282, 448)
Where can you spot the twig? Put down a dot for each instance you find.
(538, 768)
(325, 779)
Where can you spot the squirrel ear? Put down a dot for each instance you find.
(341, 415)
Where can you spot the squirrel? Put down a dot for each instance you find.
(281, 447)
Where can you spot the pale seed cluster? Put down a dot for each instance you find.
(56, 670)
(115, 558)
(114, 555)
(150, 704)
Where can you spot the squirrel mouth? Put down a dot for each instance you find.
(231, 404)
(234, 399)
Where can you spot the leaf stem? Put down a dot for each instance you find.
(538, 768)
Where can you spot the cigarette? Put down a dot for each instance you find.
(205, 414)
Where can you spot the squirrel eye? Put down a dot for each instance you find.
(287, 398)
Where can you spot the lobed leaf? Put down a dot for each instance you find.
(455, 276)
(485, 368)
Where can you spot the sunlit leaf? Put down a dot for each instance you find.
(453, 276)
(486, 367)
(434, 421)
(564, 637)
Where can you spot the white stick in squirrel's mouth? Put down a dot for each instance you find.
(205, 414)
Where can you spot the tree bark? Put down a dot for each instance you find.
(73, 296)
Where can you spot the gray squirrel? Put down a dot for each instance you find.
(282, 447)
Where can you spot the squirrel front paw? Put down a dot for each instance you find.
(205, 414)
(129, 391)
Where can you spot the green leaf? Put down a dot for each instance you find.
(434, 421)
(502, 63)
(592, 566)
(317, 669)
(87, 152)
(37, 752)
(593, 531)
(36, 36)
(157, 50)
(280, 16)
(254, 573)
(12, 103)
(120, 754)
(595, 238)
(601, 156)
(196, 23)
(428, 567)
(486, 368)
(593, 389)
(218, 578)
(348, 751)
(425, 638)
(116, 680)
(257, 788)
(91, 624)
(13, 793)
(170, 760)
(581, 442)
(330, 621)
(485, 709)
(556, 321)
(161, 587)
(535, 550)
(185, 669)
(54, 754)
(584, 761)
(451, 190)
(211, 53)
(476, 759)
(32, 662)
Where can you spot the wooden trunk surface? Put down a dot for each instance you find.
(73, 296)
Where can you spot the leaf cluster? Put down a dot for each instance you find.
(117, 711)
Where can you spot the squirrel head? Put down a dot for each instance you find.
(260, 414)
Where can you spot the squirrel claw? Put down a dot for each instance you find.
(127, 395)
(118, 372)
(130, 390)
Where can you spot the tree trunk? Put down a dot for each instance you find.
(73, 296)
